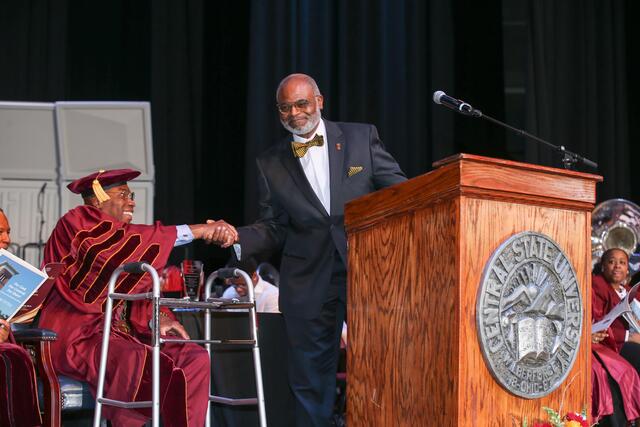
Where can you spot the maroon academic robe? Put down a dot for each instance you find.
(603, 361)
(604, 299)
(18, 390)
(92, 245)
(607, 360)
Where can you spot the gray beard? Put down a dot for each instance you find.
(311, 124)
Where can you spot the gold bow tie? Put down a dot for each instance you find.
(300, 148)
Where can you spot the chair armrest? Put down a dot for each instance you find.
(39, 340)
(33, 335)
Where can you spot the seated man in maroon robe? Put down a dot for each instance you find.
(18, 390)
(92, 240)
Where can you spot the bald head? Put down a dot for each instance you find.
(295, 79)
(299, 102)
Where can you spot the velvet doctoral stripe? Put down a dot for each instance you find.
(92, 245)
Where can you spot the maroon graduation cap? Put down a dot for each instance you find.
(97, 182)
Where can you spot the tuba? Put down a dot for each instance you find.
(615, 223)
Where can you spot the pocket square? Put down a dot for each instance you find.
(354, 170)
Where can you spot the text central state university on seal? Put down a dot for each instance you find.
(529, 315)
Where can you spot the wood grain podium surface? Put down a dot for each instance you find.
(417, 252)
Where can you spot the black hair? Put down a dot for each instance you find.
(248, 265)
(597, 269)
(609, 253)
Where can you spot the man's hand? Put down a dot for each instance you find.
(220, 232)
(168, 326)
(5, 327)
(597, 337)
(634, 337)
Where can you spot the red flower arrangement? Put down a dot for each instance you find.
(571, 419)
(574, 419)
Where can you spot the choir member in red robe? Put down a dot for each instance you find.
(609, 369)
(18, 390)
(92, 240)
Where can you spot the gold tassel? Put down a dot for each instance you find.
(98, 190)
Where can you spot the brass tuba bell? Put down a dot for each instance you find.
(615, 223)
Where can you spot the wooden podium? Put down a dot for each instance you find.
(417, 252)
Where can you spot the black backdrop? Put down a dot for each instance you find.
(210, 70)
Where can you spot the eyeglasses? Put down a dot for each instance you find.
(124, 195)
(300, 104)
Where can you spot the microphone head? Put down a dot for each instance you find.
(437, 95)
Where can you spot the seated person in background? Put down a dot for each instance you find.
(92, 240)
(18, 389)
(615, 382)
(609, 286)
(269, 273)
(265, 293)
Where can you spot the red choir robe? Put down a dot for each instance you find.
(607, 360)
(604, 360)
(605, 299)
(92, 245)
(18, 390)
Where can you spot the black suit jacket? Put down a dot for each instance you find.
(292, 217)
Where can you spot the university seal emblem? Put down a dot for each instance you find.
(529, 315)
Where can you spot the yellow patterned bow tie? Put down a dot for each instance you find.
(300, 148)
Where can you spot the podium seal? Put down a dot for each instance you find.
(529, 315)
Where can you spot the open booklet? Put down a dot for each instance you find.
(625, 308)
(23, 287)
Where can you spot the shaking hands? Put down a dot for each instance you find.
(217, 232)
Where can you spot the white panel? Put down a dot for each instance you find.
(90, 136)
(104, 135)
(27, 139)
(19, 200)
(144, 202)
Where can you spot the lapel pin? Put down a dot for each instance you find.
(338, 146)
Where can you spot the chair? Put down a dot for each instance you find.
(208, 305)
(38, 341)
(57, 394)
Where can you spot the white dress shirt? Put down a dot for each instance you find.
(265, 293)
(183, 235)
(316, 166)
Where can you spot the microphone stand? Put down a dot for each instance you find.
(41, 210)
(569, 158)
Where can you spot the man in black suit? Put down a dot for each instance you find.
(304, 185)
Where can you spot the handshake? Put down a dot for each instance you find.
(217, 232)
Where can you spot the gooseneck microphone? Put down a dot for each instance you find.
(569, 159)
(441, 98)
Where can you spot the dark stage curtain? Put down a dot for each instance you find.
(577, 87)
(378, 62)
(176, 93)
(188, 58)
(210, 71)
(33, 48)
(371, 60)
